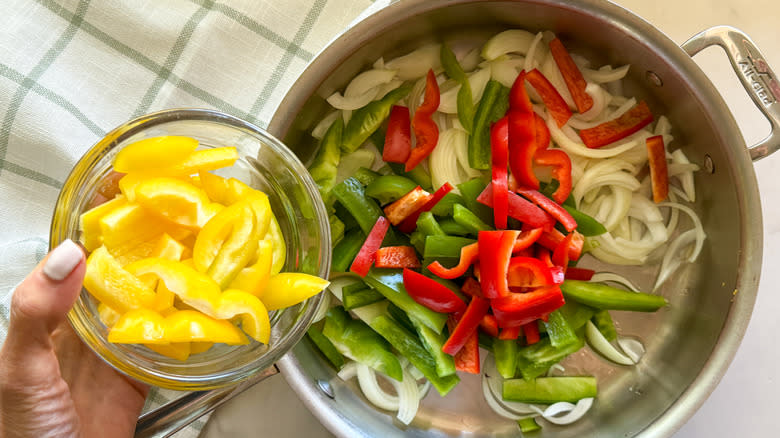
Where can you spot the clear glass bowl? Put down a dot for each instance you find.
(265, 164)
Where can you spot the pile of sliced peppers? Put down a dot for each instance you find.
(492, 264)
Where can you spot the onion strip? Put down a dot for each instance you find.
(575, 412)
(601, 345)
(611, 277)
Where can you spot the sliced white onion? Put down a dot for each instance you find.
(348, 371)
(380, 398)
(495, 406)
(605, 74)
(414, 99)
(417, 63)
(609, 257)
(672, 259)
(408, 398)
(620, 207)
(494, 382)
(363, 157)
(508, 41)
(622, 108)
(471, 59)
(698, 228)
(600, 101)
(632, 347)
(368, 80)
(336, 100)
(662, 127)
(578, 148)
(611, 277)
(379, 63)
(602, 346)
(443, 160)
(644, 210)
(448, 102)
(530, 61)
(505, 69)
(686, 179)
(677, 169)
(388, 87)
(322, 127)
(555, 368)
(553, 74)
(424, 388)
(575, 413)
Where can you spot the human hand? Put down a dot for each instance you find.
(51, 384)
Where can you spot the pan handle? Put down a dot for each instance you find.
(759, 80)
(168, 419)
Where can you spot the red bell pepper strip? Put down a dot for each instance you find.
(560, 256)
(551, 238)
(583, 274)
(367, 254)
(489, 325)
(426, 132)
(528, 272)
(552, 99)
(472, 288)
(521, 133)
(410, 223)
(571, 75)
(518, 95)
(398, 140)
(542, 133)
(407, 205)
(495, 252)
(522, 146)
(518, 309)
(526, 239)
(499, 144)
(467, 359)
(561, 164)
(659, 173)
(431, 294)
(531, 332)
(520, 209)
(609, 132)
(554, 209)
(468, 254)
(397, 257)
(467, 325)
(509, 333)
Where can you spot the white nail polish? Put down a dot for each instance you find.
(62, 260)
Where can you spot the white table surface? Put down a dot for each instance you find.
(746, 402)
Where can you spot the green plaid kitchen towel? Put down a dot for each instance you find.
(72, 70)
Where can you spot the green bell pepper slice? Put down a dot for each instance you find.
(390, 283)
(602, 296)
(465, 218)
(365, 121)
(325, 164)
(326, 347)
(356, 340)
(549, 390)
(389, 188)
(346, 250)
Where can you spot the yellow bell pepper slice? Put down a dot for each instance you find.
(107, 315)
(175, 350)
(189, 325)
(215, 186)
(109, 283)
(148, 155)
(163, 300)
(226, 243)
(289, 288)
(200, 347)
(254, 317)
(254, 278)
(192, 287)
(204, 160)
(274, 235)
(139, 326)
(144, 326)
(168, 248)
(175, 200)
(89, 222)
(129, 224)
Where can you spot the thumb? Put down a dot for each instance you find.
(40, 303)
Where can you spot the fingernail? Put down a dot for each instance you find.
(62, 260)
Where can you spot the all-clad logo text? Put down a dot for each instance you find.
(761, 80)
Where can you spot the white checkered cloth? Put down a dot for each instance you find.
(72, 70)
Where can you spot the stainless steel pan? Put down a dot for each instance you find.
(691, 343)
